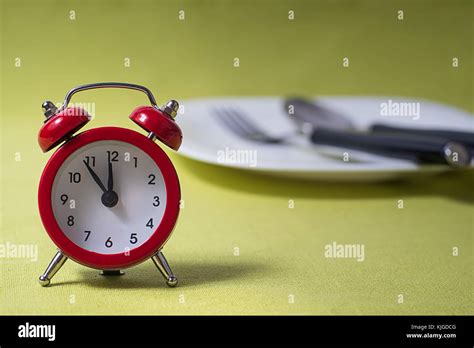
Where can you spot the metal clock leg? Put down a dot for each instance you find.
(161, 263)
(56, 263)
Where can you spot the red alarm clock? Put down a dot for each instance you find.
(109, 197)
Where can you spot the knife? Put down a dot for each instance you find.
(465, 138)
(327, 127)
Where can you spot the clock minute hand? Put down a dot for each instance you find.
(95, 177)
(110, 183)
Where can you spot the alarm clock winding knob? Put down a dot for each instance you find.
(49, 109)
(171, 108)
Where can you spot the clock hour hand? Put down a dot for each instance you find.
(95, 177)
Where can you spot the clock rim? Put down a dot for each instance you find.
(119, 260)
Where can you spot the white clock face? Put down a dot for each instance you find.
(103, 216)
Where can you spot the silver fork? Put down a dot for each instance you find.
(240, 125)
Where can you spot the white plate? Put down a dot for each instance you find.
(206, 140)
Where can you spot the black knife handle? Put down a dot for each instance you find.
(465, 138)
(416, 148)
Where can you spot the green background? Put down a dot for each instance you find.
(407, 251)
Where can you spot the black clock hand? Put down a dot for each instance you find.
(95, 177)
(110, 183)
(110, 198)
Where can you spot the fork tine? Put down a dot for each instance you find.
(229, 123)
(245, 122)
(243, 127)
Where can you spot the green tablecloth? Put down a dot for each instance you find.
(281, 268)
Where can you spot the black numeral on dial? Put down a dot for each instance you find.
(88, 233)
(74, 178)
(90, 160)
(70, 220)
(109, 243)
(156, 201)
(133, 238)
(150, 223)
(112, 156)
(64, 198)
(152, 178)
